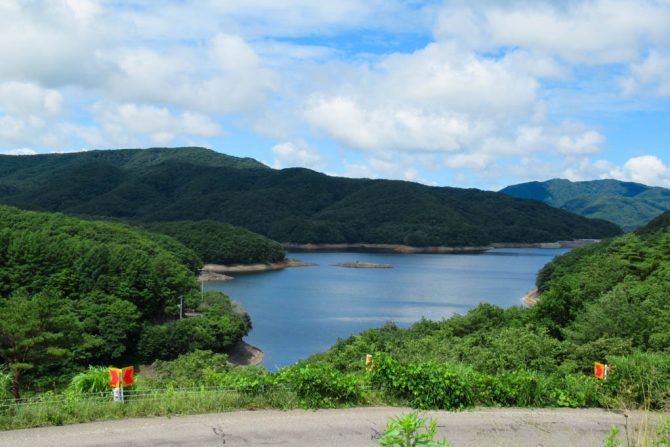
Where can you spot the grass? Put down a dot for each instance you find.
(66, 410)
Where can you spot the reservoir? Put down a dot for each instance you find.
(299, 311)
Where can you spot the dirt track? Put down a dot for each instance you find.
(350, 427)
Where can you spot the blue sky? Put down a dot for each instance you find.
(451, 93)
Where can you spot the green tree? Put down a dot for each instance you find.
(35, 330)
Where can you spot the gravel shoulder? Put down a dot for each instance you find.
(342, 427)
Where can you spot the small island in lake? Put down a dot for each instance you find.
(363, 265)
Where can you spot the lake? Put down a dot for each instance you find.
(299, 311)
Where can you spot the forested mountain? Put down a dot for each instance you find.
(77, 292)
(289, 205)
(629, 205)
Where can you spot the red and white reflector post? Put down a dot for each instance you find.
(600, 370)
(120, 377)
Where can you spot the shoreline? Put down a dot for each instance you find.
(531, 297)
(363, 265)
(217, 272)
(440, 249)
(245, 354)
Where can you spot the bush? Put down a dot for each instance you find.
(168, 341)
(192, 368)
(94, 380)
(409, 430)
(250, 380)
(640, 380)
(424, 385)
(321, 386)
(6, 379)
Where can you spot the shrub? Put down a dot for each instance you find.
(319, 386)
(192, 368)
(251, 380)
(168, 341)
(424, 385)
(94, 380)
(640, 380)
(409, 430)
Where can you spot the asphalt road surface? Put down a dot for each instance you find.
(347, 427)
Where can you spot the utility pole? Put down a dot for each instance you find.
(181, 307)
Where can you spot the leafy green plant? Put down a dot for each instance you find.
(425, 385)
(409, 430)
(612, 439)
(663, 433)
(94, 380)
(320, 386)
(5, 383)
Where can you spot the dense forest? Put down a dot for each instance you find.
(629, 205)
(289, 205)
(220, 243)
(77, 292)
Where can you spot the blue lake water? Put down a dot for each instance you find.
(299, 311)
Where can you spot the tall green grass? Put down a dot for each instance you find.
(67, 409)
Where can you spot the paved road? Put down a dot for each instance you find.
(349, 427)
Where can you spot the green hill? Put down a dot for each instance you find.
(220, 243)
(289, 205)
(629, 205)
(76, 292)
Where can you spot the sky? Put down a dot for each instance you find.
(449, 93)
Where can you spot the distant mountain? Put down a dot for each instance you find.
(290, 205)
(629, 205)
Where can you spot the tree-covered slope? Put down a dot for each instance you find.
(629, 205)
(289, 205)
(76, 292)
(220, 243)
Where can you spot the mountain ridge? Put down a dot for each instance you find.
(628, 204)
(290, 205)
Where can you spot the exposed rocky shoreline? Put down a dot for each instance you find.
(531, 297)
(399, 248)
(244, 354)
(363, 265)
(217, 272)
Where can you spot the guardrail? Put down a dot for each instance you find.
(131, 394)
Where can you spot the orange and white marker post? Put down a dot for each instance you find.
(118, 377)
(600, 370)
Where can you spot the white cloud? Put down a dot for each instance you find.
(587, 32)
(161, 125)
(48, 43)
(25, 98)
(20, 130)
(435, 99)
(19, 151)
(647, 169)
(577, 139)
(297, 154)
(225, 76)
(380, 168)
(653, 72)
